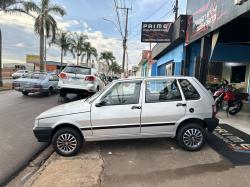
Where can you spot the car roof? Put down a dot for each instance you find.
(152, 78)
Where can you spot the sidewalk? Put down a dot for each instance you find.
(239, 121)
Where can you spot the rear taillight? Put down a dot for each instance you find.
(90, 78)
(214, 108)
(63, 75)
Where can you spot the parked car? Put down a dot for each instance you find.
(79, 80)
(20, 73)
(41, 82)
(177, 107)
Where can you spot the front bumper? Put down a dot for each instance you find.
(43, 134)
(211, 123)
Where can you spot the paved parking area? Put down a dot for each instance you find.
(137, 163)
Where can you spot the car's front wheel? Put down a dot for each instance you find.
(67, 141)
(191, 137)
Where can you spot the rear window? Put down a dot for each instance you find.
(77, 70)
(40, 76)
(189, 90)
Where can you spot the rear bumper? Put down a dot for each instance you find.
(76, 91)
(43, 134)
(31, 90)
(211, 123)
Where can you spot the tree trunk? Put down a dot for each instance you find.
(1, 80)
(88, 61)
(61, 60)
(42, 50)
(77, 60)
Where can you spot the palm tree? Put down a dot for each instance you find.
(108, 57)
(8, 6)
(62, 40)
(44, 21)
(115, 68)
(89, 51)
(77, 47)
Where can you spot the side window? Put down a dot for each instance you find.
(123, 93)
(55, 78)
(189, 90)
(165, 90)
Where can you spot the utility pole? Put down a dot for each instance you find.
(1, 77)
(176, 8)
(124, 42)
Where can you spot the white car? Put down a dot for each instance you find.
(20, 73)
(176, 107)
(79, 80)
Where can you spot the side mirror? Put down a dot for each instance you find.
(100, 104)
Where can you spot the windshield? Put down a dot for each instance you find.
(40, 76)
(77, 70)
(97, 94)
(20, 71)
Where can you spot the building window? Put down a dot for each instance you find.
(238, 74)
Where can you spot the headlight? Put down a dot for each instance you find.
(36, 123)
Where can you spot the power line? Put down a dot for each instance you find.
(118, 17)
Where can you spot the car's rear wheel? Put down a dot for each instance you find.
(25, 92)
(67, 141)
(63, 93)
(191, 137)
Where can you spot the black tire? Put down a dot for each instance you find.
(97, 89)
(63, 93)
(235, 110)
(25, 92)
(72, 132)
(50, 92)
(183, 131)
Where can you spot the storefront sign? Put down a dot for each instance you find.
(34, 59)
(156, 32)
(208, 15)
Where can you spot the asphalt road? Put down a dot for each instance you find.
(17, 142)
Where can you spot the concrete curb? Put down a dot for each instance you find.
(22, 165)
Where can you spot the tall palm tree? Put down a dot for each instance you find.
(44, 21)
(62, 40)
(8, 6)
(108, 57)
(89, 51)
(77, 47)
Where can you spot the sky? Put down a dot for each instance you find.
(87, 16)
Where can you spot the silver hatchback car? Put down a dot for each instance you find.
(176, 107)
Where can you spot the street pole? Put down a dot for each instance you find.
(1, 78)
(176, 8)
(125, 42)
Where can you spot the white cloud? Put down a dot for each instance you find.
(19, 45)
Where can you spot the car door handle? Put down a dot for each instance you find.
(181, 104)
(135, 107)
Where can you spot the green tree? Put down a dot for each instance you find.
(8, 6)
(77, 47)
(89, 51)
(44, 21)
(108, 57)
(115, 68)
(63, 41)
